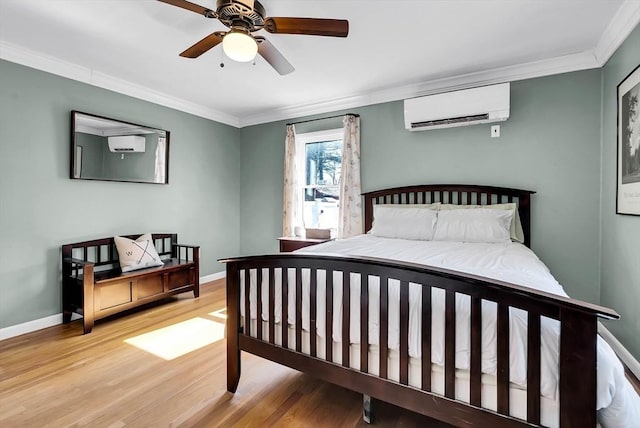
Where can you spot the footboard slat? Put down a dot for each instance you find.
(502, 354)
(329, 318)
(364, 323)
(450, 345)
(404, 333)
(247, 302)
(272, 302)
(313, 309)
(475, 379)
(284, 321)
(384, 326)
(346, 317)
(426, 337)
(299, 309)
(258, 304)
(533, 368)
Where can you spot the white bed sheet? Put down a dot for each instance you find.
(511, 262)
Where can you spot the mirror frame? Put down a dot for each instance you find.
(74, 161)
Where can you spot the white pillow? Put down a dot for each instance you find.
(515, 229)
(404, 222)
(138, 254)
(477, 225)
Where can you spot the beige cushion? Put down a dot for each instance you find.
(515, 229)
(138, 254)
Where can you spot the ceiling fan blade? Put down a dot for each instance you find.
(203, 45)
(184, 4)
(311, 26)
(274, 57)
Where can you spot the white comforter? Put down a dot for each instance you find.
(510, 262)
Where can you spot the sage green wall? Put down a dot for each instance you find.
(550, 144)
(41, 208)
(92, 154)
(620, 281)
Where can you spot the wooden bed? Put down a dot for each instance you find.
(578, 324)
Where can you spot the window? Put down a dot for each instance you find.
(319, 157)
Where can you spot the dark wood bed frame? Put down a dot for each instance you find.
(578, 320)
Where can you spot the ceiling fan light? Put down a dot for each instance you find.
(239, 46)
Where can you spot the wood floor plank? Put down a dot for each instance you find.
(58, 377)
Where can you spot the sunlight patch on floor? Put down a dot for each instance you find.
(220, 313)
(179, 339)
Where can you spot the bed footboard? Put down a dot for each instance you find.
(577, 320)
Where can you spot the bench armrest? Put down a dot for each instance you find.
(195, 252)
(77, 261)
(187, 245)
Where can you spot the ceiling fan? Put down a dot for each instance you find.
(244, 17)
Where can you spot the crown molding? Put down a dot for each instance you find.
(49, 64)
(624, 21)
(619, 28)
(563, 64)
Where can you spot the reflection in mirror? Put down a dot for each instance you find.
(112, 150)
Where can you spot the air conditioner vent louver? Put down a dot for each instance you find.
(451, 121)
(458, 108)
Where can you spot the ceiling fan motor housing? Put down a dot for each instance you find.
(239, 13)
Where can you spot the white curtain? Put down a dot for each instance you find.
(160, 172)
(350, 212)
(291, 199)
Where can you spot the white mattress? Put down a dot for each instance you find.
(509, 262)
(549, 415)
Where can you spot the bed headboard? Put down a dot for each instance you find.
(459, 194)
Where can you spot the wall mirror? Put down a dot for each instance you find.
(113, 150)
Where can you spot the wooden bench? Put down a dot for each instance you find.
(94, 286)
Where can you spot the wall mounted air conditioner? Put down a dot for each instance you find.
(127, 143)
(459, 108)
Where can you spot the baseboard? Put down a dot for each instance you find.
(52, 320)
(624, 355)
(212, 277)
(28, 327)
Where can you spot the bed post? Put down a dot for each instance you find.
(233, 326)
(368, 211)
(578, 350)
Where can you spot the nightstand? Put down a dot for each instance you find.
(288, 244)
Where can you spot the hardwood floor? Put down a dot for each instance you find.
(58, 377)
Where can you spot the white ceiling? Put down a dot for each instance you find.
(395, 49)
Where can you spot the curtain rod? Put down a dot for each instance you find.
(324, 118)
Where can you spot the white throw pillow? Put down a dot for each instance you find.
(476, 225)
(515, 229)
(138, 254)
(404, 222)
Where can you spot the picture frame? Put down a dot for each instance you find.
(628, 156)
